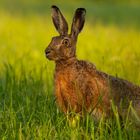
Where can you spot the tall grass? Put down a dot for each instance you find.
(28, 111)
(27, 104)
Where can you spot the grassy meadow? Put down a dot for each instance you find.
(110, 39)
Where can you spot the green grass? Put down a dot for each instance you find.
(110, 39)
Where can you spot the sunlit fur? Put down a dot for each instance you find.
(79, 86)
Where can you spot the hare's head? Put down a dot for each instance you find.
(63, 47)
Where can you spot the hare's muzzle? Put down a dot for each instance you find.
(48, 53)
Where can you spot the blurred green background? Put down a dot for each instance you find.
(111, 36)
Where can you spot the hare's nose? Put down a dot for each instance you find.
(47, 52)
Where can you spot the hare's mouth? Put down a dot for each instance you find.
(50, 55)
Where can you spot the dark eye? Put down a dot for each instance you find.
(65, 42)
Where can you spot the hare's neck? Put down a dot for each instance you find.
(62, 64)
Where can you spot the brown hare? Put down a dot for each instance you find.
(79, 86)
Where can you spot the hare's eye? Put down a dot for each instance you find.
(65, 42)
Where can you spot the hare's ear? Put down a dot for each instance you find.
(59, 21)
(78, 22)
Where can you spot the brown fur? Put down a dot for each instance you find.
(79, 86)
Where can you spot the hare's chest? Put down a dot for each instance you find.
(64, 84)
(65, 91)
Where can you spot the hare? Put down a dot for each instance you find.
(79, 86)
